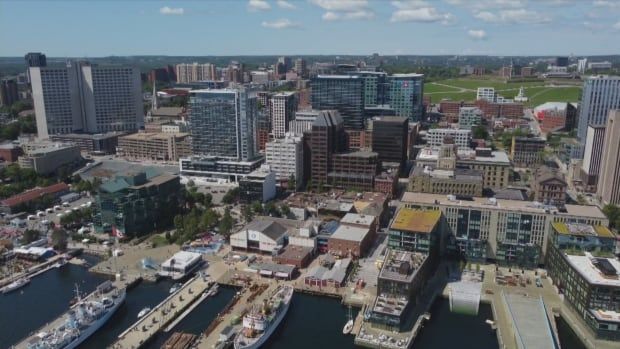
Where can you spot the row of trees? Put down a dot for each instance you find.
(80, 185)
(198, 221)
(19, 180)
(269, 209)
(12, 130)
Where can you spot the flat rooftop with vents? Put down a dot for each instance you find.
(416, 221)
(596, 270)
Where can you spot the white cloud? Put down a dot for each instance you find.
(282, 23)
(171, 11)
(616, 26)
(606, 3)
(285, 5)
(341, 5)
(258, 5)
(423, 14)
(520, 16)
(330, 16)
(410, 4)
(477, 34)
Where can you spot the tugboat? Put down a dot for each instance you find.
(263, 320)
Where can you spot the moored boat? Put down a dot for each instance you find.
(15, 285)
(263, 319)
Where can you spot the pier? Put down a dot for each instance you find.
(163, 314)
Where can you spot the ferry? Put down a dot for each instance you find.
(260, 323)
(81, 320)
(15, 285)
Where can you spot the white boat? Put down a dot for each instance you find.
(15, 285)
(60, 263)
(82, 320)
(143, 312)
(349, 325)
(262, 320)
(175, 287)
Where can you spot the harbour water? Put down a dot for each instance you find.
(312, 322)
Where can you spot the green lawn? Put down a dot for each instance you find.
(536, 91)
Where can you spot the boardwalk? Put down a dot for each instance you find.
(168, 310)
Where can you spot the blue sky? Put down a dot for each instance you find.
(257, 27)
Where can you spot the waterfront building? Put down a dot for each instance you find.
(469, 117)
(581, 263)
(283, 107)
(510, 232)
(154, 146)
(137, 203)
(344, 93)
(527, 151)
(436, 137)
(259, 185)
(416, 230)
(600, 94)
(592, 154)
(223, 127)
(608, 186)
(285, 157)
(26, 200)
(405, 95)
(86, 98)
(262, 235)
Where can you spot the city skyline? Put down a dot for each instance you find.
(351, 27)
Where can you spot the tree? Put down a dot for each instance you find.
(226, 223)
(286, 211)
(191, 183)
(613, 214)
(480, 132)
(209, 219)
(208, 200)
(271, 209)
(246, 212)
(231, 196)
(309, 185)
(169, 237)
(30, 235)
(257, 207)
(292, 183)
(59, 239)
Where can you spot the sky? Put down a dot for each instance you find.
(273, 27)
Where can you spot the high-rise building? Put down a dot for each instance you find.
(327, 138)
(8, 92)
(599, 95)
(286, 63)
(191, 72)
(591, 163)
(436, 137)
(223, 123)
(35, 59)
(303, 121)
(85, 98)
(405, 95)
(486, 93)
(344, 93)
(300, 67)
(608, 190)
(376, 87)
(285, 157)
(283, 107)
(469, 117)
(389, 139)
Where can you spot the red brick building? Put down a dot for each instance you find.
(349, 241)
(299, 256)
(386, 183)
(10, 152)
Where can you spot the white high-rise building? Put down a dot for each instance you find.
(582, 65)
(469, 117)
(435, 137)
(303, 121)
(283, 107)
(85, 98)
(285, 156)
(486, 93)
(600, 94)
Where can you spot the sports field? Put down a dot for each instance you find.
(537, 91)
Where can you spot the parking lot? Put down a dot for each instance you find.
(38, 222)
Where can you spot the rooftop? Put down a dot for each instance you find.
(360, 219)
(347, 232)
(401, 265)
(272, 229)
(143, 136)
(34, 194)
(182, 259)
(417, 221)
(585, 265)
(431, 154)
(500, 204)
(529, 318)
(582, 229)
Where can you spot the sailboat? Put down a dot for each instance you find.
(349, 325)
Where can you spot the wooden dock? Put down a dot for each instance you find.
(180, 340)
(165, 312)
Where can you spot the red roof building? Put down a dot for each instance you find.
(7, 205)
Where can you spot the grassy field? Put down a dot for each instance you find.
(465, 89)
